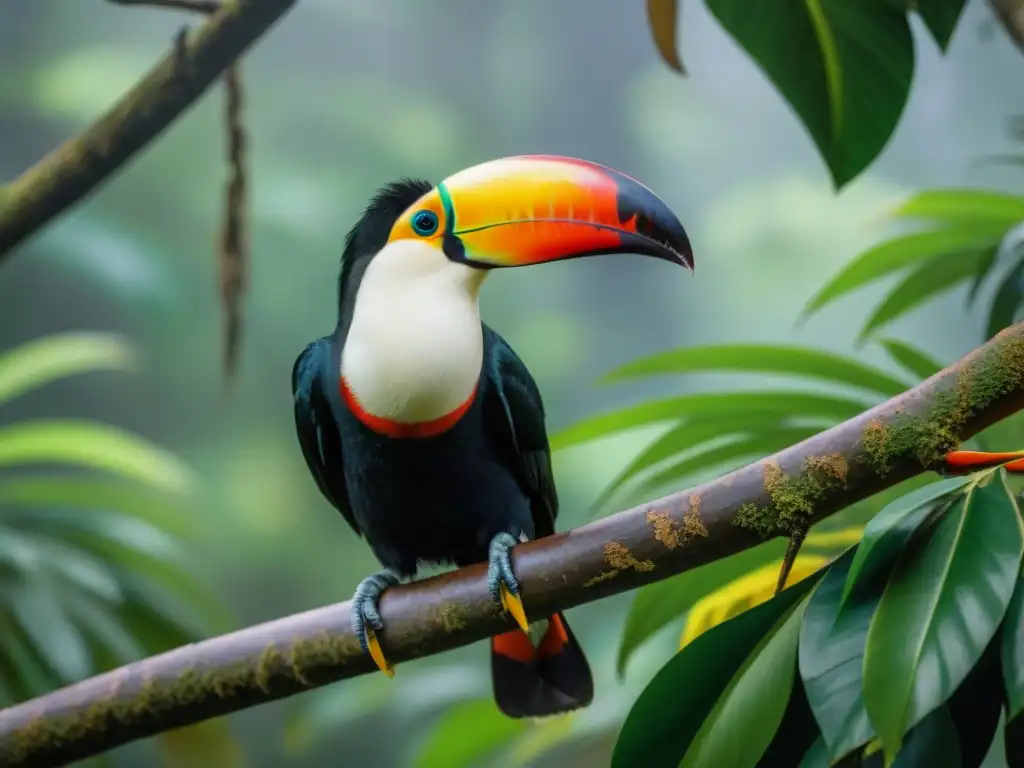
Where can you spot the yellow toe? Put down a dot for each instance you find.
(514, 606)
(377, 654)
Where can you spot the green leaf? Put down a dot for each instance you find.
(39, 362)
(688, 435)
(747, 448)
(657, 605)
(996, 757)
(154, 618)
(795, 735)
(1013, 651)
(925, 282)
(900, 253)
(51, 632)
(754, 702)
(943, 603)
(977, 705)
(911, 358)
(845, 68)
(816, 756)
(764, 358)
(102, 627)
(830, 656)
(670, 711)
(997, 211)
(782, 404)
(78, 568)
(941, 17)
(887, 533)
(1006, 301)
(31, 675)
(136, 549)
(99, 494)
(96, 446)
(467, 732)
(932, 743)
(983, 269)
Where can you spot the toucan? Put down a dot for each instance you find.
(422, 426)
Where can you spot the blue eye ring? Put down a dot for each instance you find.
(424, 223)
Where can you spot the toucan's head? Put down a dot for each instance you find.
(536, 208)
(512, 212)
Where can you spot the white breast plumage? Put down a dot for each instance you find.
(414, 350)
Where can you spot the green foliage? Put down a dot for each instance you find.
(960, 568)
(887, 533)
(722, 429)
(965, 233)
(467, 732)
(831, 661)
(915, 362)
(896, 645)
(667, 717)
(754, 426)
(94, 570)
(1013, 651)
(764, 358)
(845, 68)
(747, 705)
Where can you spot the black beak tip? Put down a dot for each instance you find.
(659, 231)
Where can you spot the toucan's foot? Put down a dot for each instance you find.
(366, 620)
(501, 582)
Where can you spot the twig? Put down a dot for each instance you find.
(891, 442)
(234, 246)
(80, 165)
(195, 6)
(233, 255)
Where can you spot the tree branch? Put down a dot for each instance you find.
(1011, 15)
(80, 165)
(796, 487)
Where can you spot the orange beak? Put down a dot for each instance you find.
(531, 209)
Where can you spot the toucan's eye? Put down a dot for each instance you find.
(424, 223)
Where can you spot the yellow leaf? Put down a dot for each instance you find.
(748, 591)
(843, 537)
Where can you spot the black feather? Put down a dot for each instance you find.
(316, 427)
(370, 233)
(514, 422)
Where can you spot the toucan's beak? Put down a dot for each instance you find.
(536, 208)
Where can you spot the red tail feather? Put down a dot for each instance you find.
(548, 679)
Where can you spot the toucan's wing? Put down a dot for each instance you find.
(514, 420)
(316, 427)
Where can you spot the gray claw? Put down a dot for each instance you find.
(499, 566)
(364, 604)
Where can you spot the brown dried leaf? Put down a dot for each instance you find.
(663, 16)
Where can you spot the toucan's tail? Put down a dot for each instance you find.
(546, 679)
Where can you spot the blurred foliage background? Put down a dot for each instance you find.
(343, 96)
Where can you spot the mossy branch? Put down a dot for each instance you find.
(781, 494)
(80, 165)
